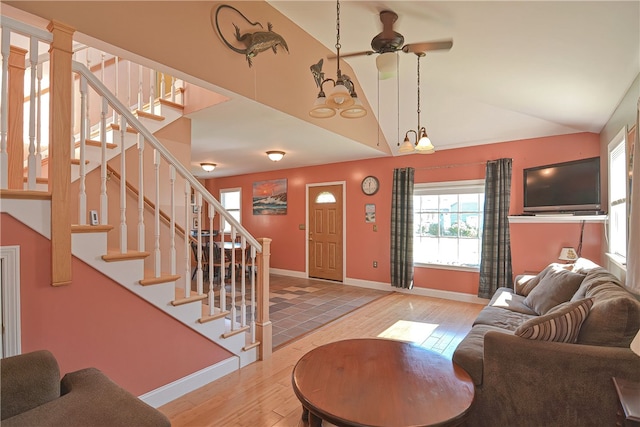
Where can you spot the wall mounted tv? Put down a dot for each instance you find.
(563, 187)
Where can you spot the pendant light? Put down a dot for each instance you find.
(423, 144)
(342, 96)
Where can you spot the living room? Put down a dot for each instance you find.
(534, 245)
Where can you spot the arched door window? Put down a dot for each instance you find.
(325, 197)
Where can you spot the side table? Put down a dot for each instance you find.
(629, 398)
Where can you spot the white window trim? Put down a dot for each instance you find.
(468, 186)
(620, 138)
(232, 190)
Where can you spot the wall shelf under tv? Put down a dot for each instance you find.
(556, 218)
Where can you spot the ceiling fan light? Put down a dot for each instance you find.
(320, 109)
(356, 111)
(339, 97)
(387, 64)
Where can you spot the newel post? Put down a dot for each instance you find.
(263, 324)
(60, 134)
(15, 143)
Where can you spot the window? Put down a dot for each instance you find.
(618, 197)
(231, 200)
(447, 223)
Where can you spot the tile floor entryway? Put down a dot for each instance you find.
(299, 306)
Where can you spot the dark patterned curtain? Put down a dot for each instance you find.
(495, 263)
(402, 228)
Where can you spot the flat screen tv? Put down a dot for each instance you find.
(563, 187)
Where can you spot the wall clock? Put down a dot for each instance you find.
(370, 185)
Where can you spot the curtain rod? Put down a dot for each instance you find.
(456, 165)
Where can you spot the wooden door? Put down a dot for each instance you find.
(325, 232)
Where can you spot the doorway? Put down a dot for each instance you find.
(325, 231)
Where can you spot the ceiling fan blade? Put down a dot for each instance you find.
(427, 46)
(346, 55)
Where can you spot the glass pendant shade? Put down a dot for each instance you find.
(208, 167)
(355, 111)
(339, 97)
(407, 146)
(275, 156)
(424, 144)
(321, 110)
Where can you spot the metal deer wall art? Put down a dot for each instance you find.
(255, 42)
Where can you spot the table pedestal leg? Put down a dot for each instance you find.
(310, 419)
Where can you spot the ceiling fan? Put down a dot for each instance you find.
(390, 41)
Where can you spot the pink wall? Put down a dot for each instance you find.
(96, 322)
(533, 245)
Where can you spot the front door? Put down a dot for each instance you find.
(325, 232)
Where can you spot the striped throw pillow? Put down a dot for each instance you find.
(561, 324)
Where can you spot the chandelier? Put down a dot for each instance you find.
(422, 143)
(342, 96)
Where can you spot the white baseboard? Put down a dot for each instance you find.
(174, 390)
(290, 273)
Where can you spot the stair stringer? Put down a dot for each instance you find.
(89, 247)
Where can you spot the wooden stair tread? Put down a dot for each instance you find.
(250, 346)
(25, 194)
(117, 256)
(77, 228)
(171, 104)
(236, 332)
(208, 317)
(149, 279)
(116, 127)
(96, 143)
(193, 298)
(39, 180)
(144, 114)
(77, 162)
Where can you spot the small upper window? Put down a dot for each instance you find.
(231, 199)
(325, 197)
(618, 197)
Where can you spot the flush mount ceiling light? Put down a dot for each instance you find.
(342, 96)
(275, 156)
(208, 167)
(423, 144)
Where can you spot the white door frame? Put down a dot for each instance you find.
(344, 225)
(10, 271)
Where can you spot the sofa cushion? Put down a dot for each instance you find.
(556, 286)
(505, 319)
(506, 298)
(614, 319)
(528, 283)
(560, 324)
(470, 352)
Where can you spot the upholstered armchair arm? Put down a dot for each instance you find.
(552, 383)
(28, 380)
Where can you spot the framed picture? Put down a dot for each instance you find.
(369, 213)
(194, 209)
(270, 197)
(196, 223)
(93, 217)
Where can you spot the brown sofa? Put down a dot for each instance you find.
(544, 353)
(32, 394)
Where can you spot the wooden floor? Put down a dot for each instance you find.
(261, 395)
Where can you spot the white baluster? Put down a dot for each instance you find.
(243, 305)
(129, 85)
(102, 67)
(140, 87)
(4, 121)
(212, 247)
(31, 159)
(157, 255)
(172, 220)
(223, 268)
(173, 89)
(141, 228)
(123, 187)
(152, 91)
(233, 279)
(252, 325)
(104, 201)
(187, 241)
(87, 132)
(117, 74)
(199, 277)
(82, 195)
(163, 86)
(39, 122)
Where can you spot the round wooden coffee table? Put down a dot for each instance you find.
(378, 382)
